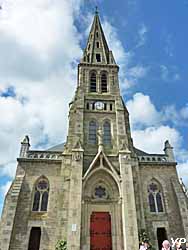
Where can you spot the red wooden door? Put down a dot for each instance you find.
(100, 231)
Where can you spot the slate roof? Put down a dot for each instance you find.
(57, 148)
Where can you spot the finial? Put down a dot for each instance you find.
(168, 149)
(96, 10)
(24, 147)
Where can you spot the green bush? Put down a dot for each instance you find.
(61, 245)
(144, 236)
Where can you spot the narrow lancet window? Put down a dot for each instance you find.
(159, 202)
(98, 57)
(107, 133)
(92, 132)
(152, 203)
(93, 84)
(104, 87)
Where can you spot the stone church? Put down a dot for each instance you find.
(96, 190)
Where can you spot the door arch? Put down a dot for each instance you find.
(34, 239)
(161, 236)
(101, 202)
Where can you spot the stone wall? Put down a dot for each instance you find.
(53, 223)
(171, 218)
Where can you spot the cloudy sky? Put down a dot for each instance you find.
(41, 42)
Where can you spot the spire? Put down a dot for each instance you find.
(97, 50)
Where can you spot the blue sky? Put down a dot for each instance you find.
(41, 44)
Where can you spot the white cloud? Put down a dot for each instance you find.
(39, 24)
(142, 35)
(169, 47)
(39, 46)
(164, 72)
(142, 111)
(138, 71)
(149, 132)
(152, 139)
(184, 112)
(169, 73)
(179, 117)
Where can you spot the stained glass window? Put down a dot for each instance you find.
(100, 192)
(40, 201)
(155, 198)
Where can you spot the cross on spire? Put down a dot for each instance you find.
(96, 10)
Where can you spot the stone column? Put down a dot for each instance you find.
(75, 195)
(129, 217)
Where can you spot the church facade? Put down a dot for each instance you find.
(96, 191)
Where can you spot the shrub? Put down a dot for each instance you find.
(61, 245)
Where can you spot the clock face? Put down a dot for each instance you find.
(99, 105)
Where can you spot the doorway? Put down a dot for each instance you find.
(34, 239)
(100, 231)
(161, 236)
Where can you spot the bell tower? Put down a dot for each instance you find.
(97, 102)
(99, 131)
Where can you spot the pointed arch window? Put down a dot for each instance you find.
(104, 85)
(155, 198)
(93, 82)
(40, 201)
(92, 132)
(107, 133)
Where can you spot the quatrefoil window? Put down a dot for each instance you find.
(100, 192)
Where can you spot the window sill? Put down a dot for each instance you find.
(38, 215)
(157, 213)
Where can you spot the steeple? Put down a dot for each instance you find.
(97, 51)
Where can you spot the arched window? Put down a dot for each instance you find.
(92, 132)
(107, 133)
(104, 87)
(40, 201)
(93, 85)
(155, 198)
